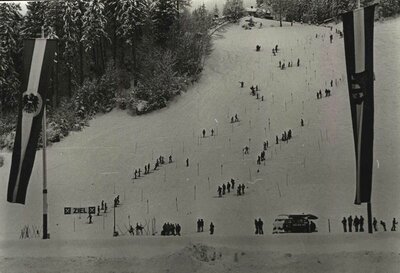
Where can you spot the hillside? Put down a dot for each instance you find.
(313, 173)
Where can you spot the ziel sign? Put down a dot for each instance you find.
(70, 210)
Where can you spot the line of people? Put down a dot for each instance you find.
(358, 224)
(171, 229)
(159, 161)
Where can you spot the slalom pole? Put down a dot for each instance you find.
(45, 205)
(369, 213)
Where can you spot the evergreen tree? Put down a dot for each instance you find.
(165, 15)
(233, 9)
(10, 44)
(94, 34)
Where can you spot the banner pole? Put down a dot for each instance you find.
(45, 205)
(369, 212)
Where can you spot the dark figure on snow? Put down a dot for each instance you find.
(90, 218)
(219, 191)
(233, 183)
(178, 229)
(277, 140)
(302, 123)
(350, 223)
(260, 226)
(105, 207)
(361, 224)
(148, 167)
(331, 83)
(201, 225)
(283, 66)
(228, 187)
(212, 132)
(156, 166)
(344, 222)
(273, 52)
(102, 203)
(223, 189)
(204, 132)
(280, 64)
(356, 223)
(374, 224)
(243, 189)
(258, 160)
(276, 48)
(331, 38)
(257, 226)
(298, 62)
(289, 134)
(394, 223)
(198, 225)
(241, 84)
(258, 96)
(262, 156)
(383, 225)
(170, 159)
(135, 173)
(262, 98)
(145, 169)
(232, 121)
(236, 118)
(320, 94)
(211, 228)
(265, 146)
(98, 210)
(239, 190)
(246, 150)
(258, 48)
(187, 162)
(139, 172)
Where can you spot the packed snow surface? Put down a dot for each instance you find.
(313, 173)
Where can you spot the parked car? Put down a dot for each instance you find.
(294, 223)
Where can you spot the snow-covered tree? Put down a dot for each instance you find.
(94, 25)
(9, 48)
(233, 9)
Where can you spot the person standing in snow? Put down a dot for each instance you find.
(350, 223)
(243, 189)
(211, 228)
(298, 62)
(204, 133)
(256, 225)
(277, 140)
(356, 222)
(223, 189)
(233, 183)
(361, 224)
(219, 191)
(90, 218)
(170, 159)
(260, 226)
(187, 162)
(241, 84)
(212, 132)
(239, 190)
(374, 223)
(302, 123)
(383, 225)
(228, 187)
(344, 222)
(394, 223)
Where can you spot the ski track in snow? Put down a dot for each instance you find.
(315, 171)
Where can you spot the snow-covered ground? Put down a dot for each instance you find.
(313, 173)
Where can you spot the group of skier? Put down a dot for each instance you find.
(204, 132)
(282, 65)
(160, 160)
(285, 136)
(171, 229)
(259, 226)
(235, 119)
(358, 224)
(230, 185)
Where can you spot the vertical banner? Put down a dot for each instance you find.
(358, 29)
(38, 63)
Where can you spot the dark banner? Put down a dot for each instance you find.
(38, 63)
(358, 29)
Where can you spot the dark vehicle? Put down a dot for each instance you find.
(295, 223)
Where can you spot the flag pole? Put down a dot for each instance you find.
(369, 212)
(45, 205)
(358, 4)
